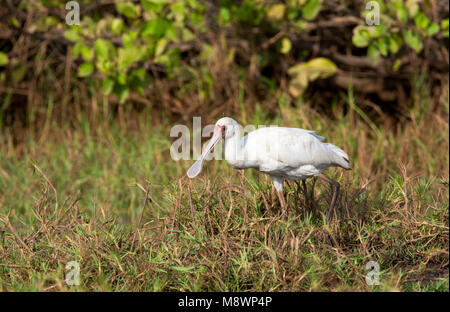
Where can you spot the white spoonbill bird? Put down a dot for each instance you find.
(282, 153)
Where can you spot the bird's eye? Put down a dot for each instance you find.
(224, 129)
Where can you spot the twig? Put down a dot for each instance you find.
(144, 205)
(16, 266)
(141, 216)
(49, 182)
(272, 40)
(13, 231)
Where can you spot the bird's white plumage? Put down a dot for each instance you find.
(289, 147)
(290, 153)
(282, 153)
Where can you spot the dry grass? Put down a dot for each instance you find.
(114, 201)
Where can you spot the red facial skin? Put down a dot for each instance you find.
(222, 128)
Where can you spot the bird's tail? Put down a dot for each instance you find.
(340, 158)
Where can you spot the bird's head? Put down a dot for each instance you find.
(227, 126)
(224, 128)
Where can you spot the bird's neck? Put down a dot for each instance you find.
(233, 151)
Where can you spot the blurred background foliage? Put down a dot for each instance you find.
(85, 118)
(192, 57)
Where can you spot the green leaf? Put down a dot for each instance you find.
(293, 15)
(171, 33)
(301, 24)
(85, 69)
(276, 12)
(72, 34)
(160, 46)
(86, 53)
(360, 41)
(395, 43)
(117, 26)
(128, 9)
(207, 52)
(183, 269)
(179, 11)
(197, 20)
(101, 48)
(433, 29)
(398, 63)
(444, 24)
(402, 15)
(374, 53)
(18, 73)
(107, 85)
(298, 85)
(380, 30)
(412, 6)
(383, 45)
(444, 27)
(122, 92)
(149, 5)
(128, 38)
(311, 9)
(76, 50)
(187, 35)
(361, 37)
(156, 28)
(3, 59)
(122, 78)
(105, 66)
(225, 14)
(139, 74)
(323, 66)
(127, 56)
(15, 22)
(412, 39)
(400, 10)
(305, 72)
(149, 2)
(286, 45)
(421, 20)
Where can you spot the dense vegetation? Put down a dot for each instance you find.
(85, 167)
(190, 56)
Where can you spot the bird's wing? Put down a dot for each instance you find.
(320, 138)
(282, 148)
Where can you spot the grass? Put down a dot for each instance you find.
(111, 198)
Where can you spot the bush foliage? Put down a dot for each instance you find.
(127, 47)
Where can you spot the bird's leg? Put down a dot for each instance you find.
(298, 186)
(282, 203)
(305, 191)
(312, 201)
(336, 187)
(301, 185)
(278, 184)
